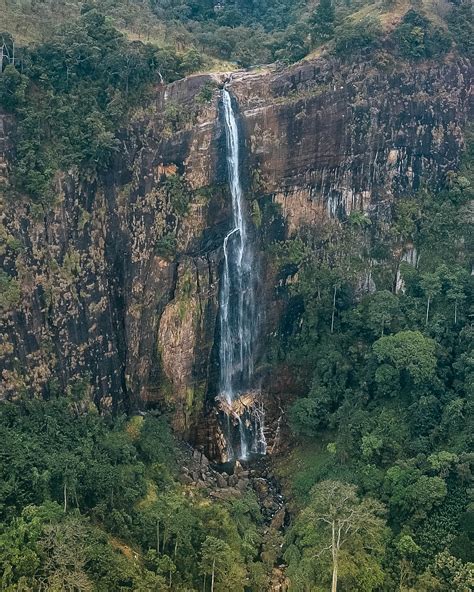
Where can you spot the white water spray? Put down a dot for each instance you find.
(238, 316)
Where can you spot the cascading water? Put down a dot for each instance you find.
(238, 315)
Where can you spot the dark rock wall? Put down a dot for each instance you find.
(102, 310)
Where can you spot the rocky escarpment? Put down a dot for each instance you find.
(325, 139)
(111, 293)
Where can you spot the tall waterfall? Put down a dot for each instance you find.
(238, 315)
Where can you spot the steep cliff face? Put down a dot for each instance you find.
(326, 138)
(112, 293)
(113, 290)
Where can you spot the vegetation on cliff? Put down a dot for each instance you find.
(72, 93)
(388, 406)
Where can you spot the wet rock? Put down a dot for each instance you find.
(186, 479)
(242, 484)
(226, 494)
(279, 519)
(221, 480)
(270, 504)
(261, 487)
(233, 480)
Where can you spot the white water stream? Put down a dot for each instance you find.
(238, 314)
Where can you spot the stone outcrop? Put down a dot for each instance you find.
(325, 138)
(116, 284)
(111, 294)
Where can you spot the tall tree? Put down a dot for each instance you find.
(431, 285)
(216, 561)
(323, 21)
(340, 517)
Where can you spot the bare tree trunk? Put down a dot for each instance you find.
(65, 497)
(334, 559)
(334, 578)
(158, 537)
(455, 312)
(428, 309)
(333, 309)
(212, 576)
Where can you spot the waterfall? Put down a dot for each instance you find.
(238, 316)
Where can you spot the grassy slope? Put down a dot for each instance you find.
(30, 21)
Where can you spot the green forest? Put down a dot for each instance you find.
(386, 420)
(377, 466)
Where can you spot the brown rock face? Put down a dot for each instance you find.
(325, 139)
(112, 293)
(117, 282)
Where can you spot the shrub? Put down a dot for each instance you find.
(418, 39)
(352, 36)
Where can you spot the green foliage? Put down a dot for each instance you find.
(309, 414)
(356, 36)
(337, 531)
(406, 361)
(74, 93)
(418, 38)
(10, 293)
(461, 26)
(166, 246)
(219, 563)
(206, 93)
(386, 389)
(12, 88)
(93, 504)
(323, 21)
(178, 194)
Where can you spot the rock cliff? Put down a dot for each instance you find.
(111, 294)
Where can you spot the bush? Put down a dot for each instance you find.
(351, 37)
(418, 39)
(12, 88)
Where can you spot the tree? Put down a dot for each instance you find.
(216, 558)
(20, 555)
(65, 563)
(407, 550)
(452, 574)
(12, 88)
(455, 292)
(431, 286)
(411, 493)
(382, 309)
(223, 564)
(340, 517)
(309, 414)
(323, 20)
(407, 359)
